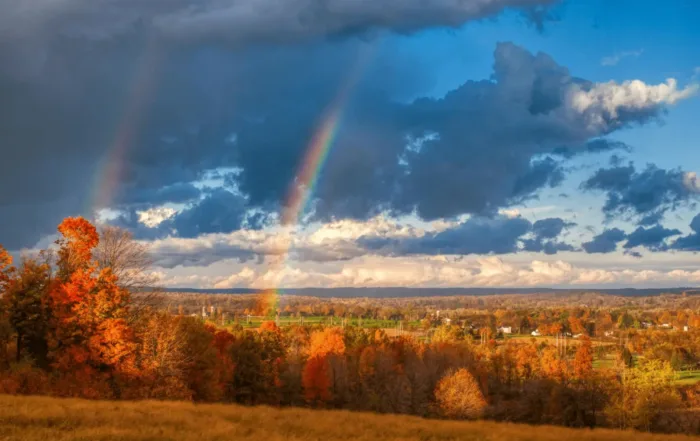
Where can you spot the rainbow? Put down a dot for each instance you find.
(304, 184)
(110, 171)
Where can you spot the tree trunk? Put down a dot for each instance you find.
(19, 347)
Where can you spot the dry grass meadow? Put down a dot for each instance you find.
(51, 419)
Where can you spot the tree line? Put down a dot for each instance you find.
(69, 328)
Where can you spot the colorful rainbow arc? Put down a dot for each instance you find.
(111, 170)
(304, 184)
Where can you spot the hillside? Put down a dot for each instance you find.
(40, 419)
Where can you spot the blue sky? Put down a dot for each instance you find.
(525, 180)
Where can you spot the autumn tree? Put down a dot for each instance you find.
(318, 377)
(5, 268)
(128, 259)
(257, 358)
(5, 328)
(90, 332)
(458, 396)
(576, 325)
(26, 304)
(604, 323)
(583, 360)
(526, 360)
(644, 394)
(161, 358)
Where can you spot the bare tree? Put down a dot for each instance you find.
(130, 261)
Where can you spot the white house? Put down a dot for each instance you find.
(535, 333)
(505, 330)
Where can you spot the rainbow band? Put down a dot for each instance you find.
(110, 171)
(304, 184)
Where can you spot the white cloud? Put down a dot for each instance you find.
(692, 182)
(602, 103)
(155, 216)
(374, 271)
(319, 243)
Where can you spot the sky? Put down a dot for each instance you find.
(266, 144)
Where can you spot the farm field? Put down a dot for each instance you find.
(40, 419)
(256, 322)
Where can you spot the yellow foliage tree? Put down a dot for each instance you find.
(458, 395)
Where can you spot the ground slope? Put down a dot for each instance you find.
(44, 419)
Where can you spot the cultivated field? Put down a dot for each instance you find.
(42, 419)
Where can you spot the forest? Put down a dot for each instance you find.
(76, 321)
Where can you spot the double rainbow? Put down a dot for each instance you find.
(110, 173)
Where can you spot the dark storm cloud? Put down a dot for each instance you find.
(545, 232)
(77, 75)
(477, 235)
(178, 193)
(690, 242)
(180, 91)
(644, 195)
(605, 242)
(595, 146)
(171, 255)
(220, 211)
(653, 238)
(247, 21)
(550, 228)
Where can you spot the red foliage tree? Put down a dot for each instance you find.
(91, 338)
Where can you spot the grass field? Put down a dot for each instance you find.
(552, 340)
(43, 419)
(255, 322)
(688, 378)
(604, 363)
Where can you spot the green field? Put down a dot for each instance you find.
(255, 322)
(687, 378)
(44, 419)
(604, 363)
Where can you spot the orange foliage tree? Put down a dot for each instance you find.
(583, 360)
(317, 374)
(91, 340)
(5, 265)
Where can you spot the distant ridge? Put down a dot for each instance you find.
(441, 292)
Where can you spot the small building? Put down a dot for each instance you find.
(686, 328)
(535, 333)
(505, 330)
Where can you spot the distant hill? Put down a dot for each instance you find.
(41, 419)
(440, 292)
